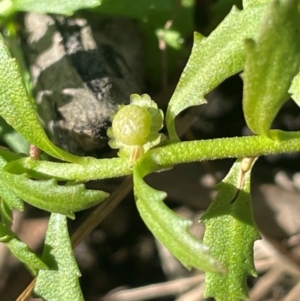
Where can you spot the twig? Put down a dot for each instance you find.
(155, 290)
(266, 282)
(293, 294)
(195, 294)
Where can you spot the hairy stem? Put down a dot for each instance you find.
(212, 149)
(161, 157)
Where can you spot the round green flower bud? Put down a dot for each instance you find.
(132, 125)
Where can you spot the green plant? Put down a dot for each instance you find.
(263, 40)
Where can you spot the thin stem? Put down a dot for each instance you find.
(212, 149)
(165, 156)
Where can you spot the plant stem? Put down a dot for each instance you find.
(212, 149)
(162, 157)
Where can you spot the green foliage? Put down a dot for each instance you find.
(171, 229)
(9, 201)
(13, 139)
(48, 195)
(24, 254)
(98, 169)
(8, 155)
(12, 199)
(271, 59)
(295, 89)
(213, 59)
(17, 247)
(247, 3)
(15, 102)
(6, 215)
(67, 7)
(60, 281)
(231, 232)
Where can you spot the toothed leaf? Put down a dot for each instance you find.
(213, 59)
(48, 195)
(98, 169)
(24, 254)
(170, 228)
(231, 232)
(60, 281)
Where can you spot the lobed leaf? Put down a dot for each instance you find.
(8, 201)
(60, 281)
(231, 232)
(99, 169)
(50, 196)
(170, 228)
(12, 200)
(272, 60)
(24, 254)
(213, 59)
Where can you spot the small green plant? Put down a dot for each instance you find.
(263, 41)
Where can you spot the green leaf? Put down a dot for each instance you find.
(18, 110)
(60, 282)
(47, 195)
(8, 202)
(8, 155)
(272, 60)
(66, 7)
(17, 247)
(6, 233)
(24, 254)
(14, 140)
(170, 228)
(6, 214)
(213, 59)
(231, 232)
(295, 89)
(247, 3)
(13, 201)
(96, 170)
